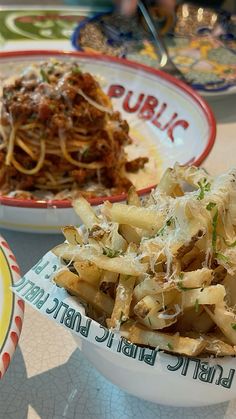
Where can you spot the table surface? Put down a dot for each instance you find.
(49, 377)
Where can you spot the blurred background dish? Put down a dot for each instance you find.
(168, 122)
(201, 42)
(11, 307)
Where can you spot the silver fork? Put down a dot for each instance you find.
(166, 63)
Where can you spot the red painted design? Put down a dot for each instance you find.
(18, 311)
(14, 338)
(18, 322)
(15, 268)
(134, 108)
(6, 360)
(5, 244)
(21, 304)
(148, 109)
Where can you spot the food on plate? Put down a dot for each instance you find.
(161, 270)
(59, 135)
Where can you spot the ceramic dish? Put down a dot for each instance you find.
(150, 374)
(168, 121)
(11, 307)
(202, 44)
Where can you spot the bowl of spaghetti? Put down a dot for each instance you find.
(76, 124)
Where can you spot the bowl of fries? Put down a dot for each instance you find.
(154, 284)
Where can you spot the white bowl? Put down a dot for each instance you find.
(168, 120)
(162, 378)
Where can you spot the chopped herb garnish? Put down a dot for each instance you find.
(169, 345)
(149, 321)
(44, 75)
(85, 153)
(210, 205)
(76, 70)
(204, 186)
(214, 233)
(183, 288)
(167, 224)
(222, 257)
(196, 305)
(181, 275)
(233, 325)
(111, 253)
(52, 106)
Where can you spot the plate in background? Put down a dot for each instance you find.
(168, 121)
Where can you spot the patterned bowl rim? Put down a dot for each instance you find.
(13, 319)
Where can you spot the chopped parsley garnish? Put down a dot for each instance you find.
(196, 305)
(204, 186)
(85, 153)
(76, 70)
(167, 224)
(169, 345)
(214, 233)
(111, 253)
(222, 257)
(210, 205)
(183, 288)
(233, 325)
(44, 75)
(149, 321)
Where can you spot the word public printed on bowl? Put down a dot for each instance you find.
(38, 289)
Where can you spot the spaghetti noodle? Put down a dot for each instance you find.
(60, 134)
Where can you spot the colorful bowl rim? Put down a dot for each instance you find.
(200, 102)
(211, 87)
(17, 312)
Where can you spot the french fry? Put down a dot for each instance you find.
(108, 282)
(166, 341)
(169, 184)
(230, 286)
(225, 320)
(194, 279)
(85, 212)
(130, 234)
(72, 235)
(152, 285)
(157, 320)
(152, 303)
(133, 198)
(88, 271)
(142, 264)
(217, 347)
(214, 294)
(121, 264)
(135, 216)
(121, 310)
(189, 257)
(72, 283)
